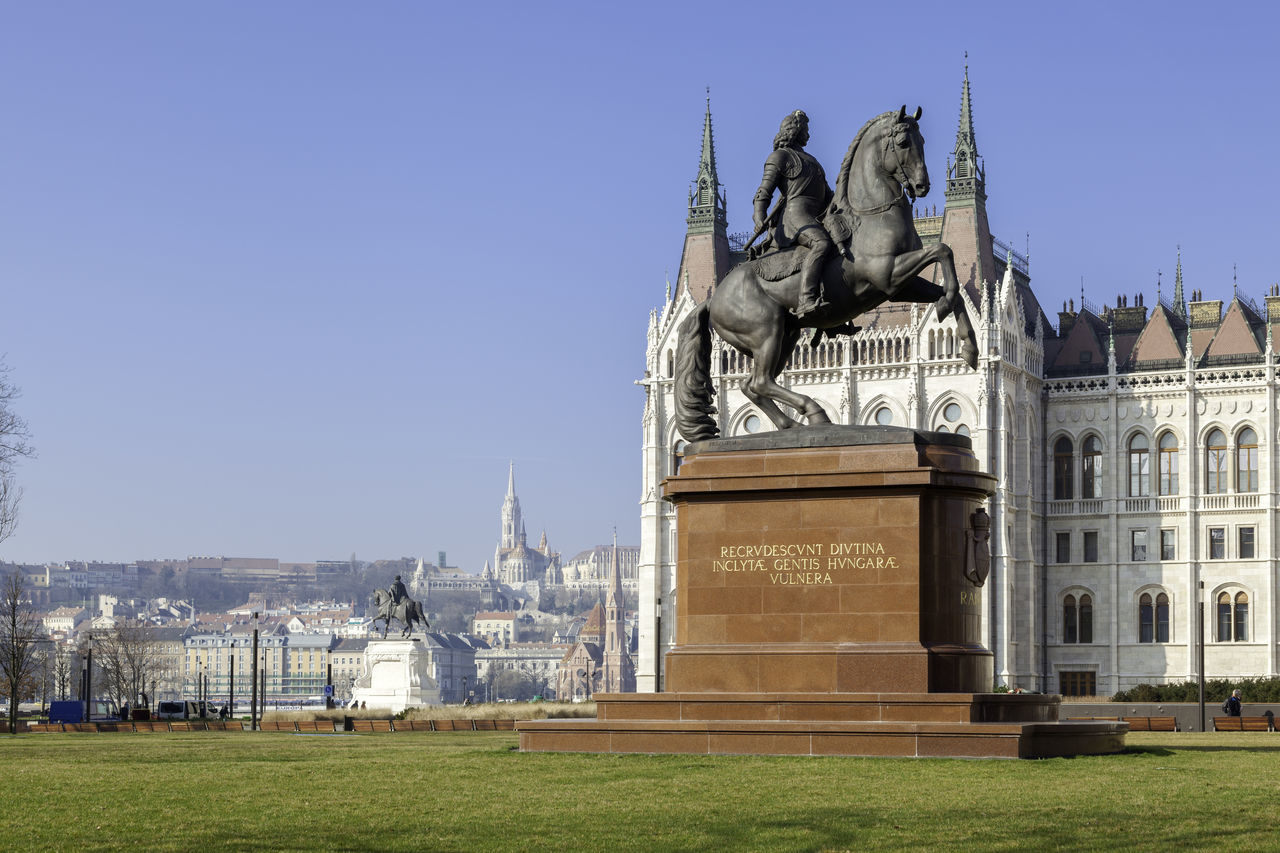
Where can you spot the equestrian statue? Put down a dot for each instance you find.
(828, 257)
(395, 603)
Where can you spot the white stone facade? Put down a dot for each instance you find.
(1167, 419)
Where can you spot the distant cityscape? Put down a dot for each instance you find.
(528, 624)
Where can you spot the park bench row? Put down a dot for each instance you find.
(1170, 724)
(279, 726)
(1137, 724)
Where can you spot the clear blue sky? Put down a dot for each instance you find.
(297, 279)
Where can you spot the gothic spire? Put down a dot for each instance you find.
(706, 200)
(511, 480)
(966, 176)
(1179, 304)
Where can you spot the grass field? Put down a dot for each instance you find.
(473, 791)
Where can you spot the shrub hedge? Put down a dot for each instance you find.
(1216, 690)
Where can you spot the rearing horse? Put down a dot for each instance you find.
(881, 260)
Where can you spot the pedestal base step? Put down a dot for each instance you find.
(982, 725)
(736, 737)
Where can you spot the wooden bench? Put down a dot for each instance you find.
(42, 728)
(455, 725)
(1152, 724)
(372, 725)
(225, 726)
(1242, 724)
(277, 726)
(151, 726)
(315, 726)
(414, 726)
(82, 728)
(1093, 719)
(115, 727)
(485, 725)
(504, 725)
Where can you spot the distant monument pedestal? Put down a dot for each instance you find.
(828, 602)
(397, 676)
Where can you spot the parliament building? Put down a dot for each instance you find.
(1131, 444)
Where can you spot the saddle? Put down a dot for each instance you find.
(774, 264)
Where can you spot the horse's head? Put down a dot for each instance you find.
(904, 153)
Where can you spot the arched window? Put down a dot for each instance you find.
(1139, 466)
(1063, 488)
(1247, 461)
(671, 364)
(951, 344)
(1168, 464)
(1153, 618)
(1091, 471)
(1242, 618)
(933, 349)
(1215, 467)
(1077, 619)
(677, 456)
(1233, 617)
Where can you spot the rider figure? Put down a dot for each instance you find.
(397, 591)
(798, 176)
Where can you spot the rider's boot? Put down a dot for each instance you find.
(811, 299)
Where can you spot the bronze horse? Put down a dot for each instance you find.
(881, 260)
(407, 612)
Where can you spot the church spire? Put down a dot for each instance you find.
(966, 175)
(1179, 304)
(705, 259)
(706, 200)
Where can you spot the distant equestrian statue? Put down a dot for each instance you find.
(400, 607)
(878, 257)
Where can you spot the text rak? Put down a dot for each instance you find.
(809, 563)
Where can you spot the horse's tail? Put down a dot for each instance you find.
(693, 377)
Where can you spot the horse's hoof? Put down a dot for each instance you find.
(969, 353)
(816, 416)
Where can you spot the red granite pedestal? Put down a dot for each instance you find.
(823, 608)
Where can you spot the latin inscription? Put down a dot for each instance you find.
(805, 564)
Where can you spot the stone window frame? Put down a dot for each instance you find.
(1253, 542)
(1138, 464)
(1174, 535)
(1209, 542)
(1238, 441)
(1076, 623)
(1238, 615)
(1159, 614)
(1167, 468)
(1084, 545)
(1062, 458)
(1091, 480)
(1062, 546)
(1217, 461)
(1136, 533)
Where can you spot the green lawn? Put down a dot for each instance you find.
(473, 791)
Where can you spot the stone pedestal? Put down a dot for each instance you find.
(828, 601)
(397, 676)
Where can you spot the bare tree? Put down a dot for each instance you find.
(20, 632)
(14, 445)
(129, 658)
(64, 667)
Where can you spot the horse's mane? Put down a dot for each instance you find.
(842, 182)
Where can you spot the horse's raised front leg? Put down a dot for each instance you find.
(910, 264)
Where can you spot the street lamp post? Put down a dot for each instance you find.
(88, 682)
(253, 700)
